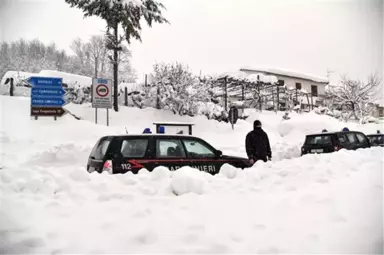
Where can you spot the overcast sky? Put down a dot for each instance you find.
(214, 36)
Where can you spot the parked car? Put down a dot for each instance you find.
(130, 153)
(376, 139)
(327, 142)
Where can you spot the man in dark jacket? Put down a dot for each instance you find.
(257, 144)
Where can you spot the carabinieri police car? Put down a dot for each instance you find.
(120, 154)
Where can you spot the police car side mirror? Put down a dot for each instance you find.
(219, 153)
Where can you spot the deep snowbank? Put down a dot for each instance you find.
(317, 203)
(328, 203)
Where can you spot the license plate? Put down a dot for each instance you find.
(317, 150)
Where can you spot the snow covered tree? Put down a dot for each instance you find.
(98, 54)
(356, 96)
(83, 57)
(126, 71)
(5, 58)
(175, 88)
(124, 13)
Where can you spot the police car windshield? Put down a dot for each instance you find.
(376, 139)
(318, 140)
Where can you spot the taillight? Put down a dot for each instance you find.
(108, 167)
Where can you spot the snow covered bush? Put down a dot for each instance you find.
(355, 97)
(321, 110)
(175, 88)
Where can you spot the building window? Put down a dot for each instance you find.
(298, 85)
(280, 82)
(314, 90)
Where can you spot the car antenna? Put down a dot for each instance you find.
(126, 131)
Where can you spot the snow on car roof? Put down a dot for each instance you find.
(173, 123)
(154, 134)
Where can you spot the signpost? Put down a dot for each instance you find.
(233, 115)
(47, 97)
(102, 95)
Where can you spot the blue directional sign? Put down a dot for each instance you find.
(45, 81)
(47, 96)
(51, 92)
(51, 102)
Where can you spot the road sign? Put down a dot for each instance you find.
(51, 92)
(47, 96)
(101, 93)
(48, 111)
(49, 102)
(45, 81)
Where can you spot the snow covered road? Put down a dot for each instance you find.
(49, 204)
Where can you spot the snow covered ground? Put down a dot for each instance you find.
(49, 204)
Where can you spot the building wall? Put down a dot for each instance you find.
(378, 112)
(290, 83)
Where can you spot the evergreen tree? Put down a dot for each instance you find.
(124, 13)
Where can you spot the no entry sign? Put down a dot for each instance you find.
(101, 93)
(102, 90)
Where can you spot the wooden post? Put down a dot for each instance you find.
(145, 81)
(242, 97)
(278, 99)
(225, 94)
(273, 102)
(311, 101)
(11, 88)
(158, 97)
(259, 94)
(125, 96)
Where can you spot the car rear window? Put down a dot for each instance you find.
(98, 152)
(134, 148)
(319, 140)
(376, 139)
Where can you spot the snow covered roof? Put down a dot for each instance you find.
(16, 75)
(240, 75)
(70, 79)
(286, 72)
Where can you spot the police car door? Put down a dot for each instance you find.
(170, 153)
(202, 156)
(132, 154)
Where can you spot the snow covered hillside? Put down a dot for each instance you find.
(49, 204)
